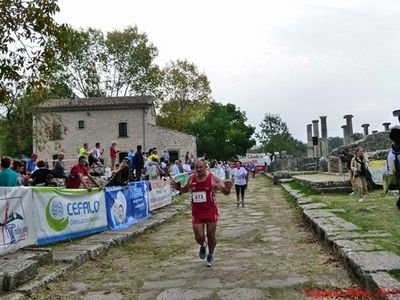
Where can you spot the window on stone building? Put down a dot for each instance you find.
(123, 129)
(81, 124)
(57, 132)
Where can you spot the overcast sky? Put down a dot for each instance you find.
(300, 59)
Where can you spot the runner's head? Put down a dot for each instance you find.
(201, 167)
(238, 164)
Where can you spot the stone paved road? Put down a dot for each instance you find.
(263, 252)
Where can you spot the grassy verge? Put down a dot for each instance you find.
(377, 212)
(306, 190)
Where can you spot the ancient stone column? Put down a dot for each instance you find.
(317, 153)
(349, 125)
(324, 137)
(365, 127)
(386, 126)
(345, 138)
(310, 148)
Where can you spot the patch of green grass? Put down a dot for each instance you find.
(305, 190)
(395, 274)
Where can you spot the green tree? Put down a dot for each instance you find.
(300, 148)
(222, 133)
(29, 43)
(184, 94)
(274, 135)
(118, 64)
(334, 142)
(357, 136)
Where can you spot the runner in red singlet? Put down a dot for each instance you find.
(203, 184)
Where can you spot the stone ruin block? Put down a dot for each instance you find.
(334, 164)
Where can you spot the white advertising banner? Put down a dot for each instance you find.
(159, 194)
(258, 159)
(16, 219)
(68, 213)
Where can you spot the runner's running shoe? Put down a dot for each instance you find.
(203, 250)
(210, 261)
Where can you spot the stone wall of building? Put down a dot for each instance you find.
(103, 126)
(171, 140)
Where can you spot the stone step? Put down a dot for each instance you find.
(335, 189)
(18, 268)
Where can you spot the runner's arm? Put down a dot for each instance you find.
(183, 189)
(223, 186)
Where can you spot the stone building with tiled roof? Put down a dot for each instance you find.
(65, 124)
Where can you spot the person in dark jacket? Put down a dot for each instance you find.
(39, 176)
(121, 177)
(139, 160)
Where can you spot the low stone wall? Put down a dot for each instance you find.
(289, 163)
(368, 264)
(370, 143)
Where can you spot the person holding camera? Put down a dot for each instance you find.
(359, 167)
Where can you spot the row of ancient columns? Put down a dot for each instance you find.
(317, 146)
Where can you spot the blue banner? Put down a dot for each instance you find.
(126, 205)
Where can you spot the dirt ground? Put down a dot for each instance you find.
(264, 251)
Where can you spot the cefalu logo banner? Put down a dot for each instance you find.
(68, 213)
(16, 219)
(126, 205)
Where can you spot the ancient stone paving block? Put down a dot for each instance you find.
(285, 180)
(313, 206)
(378, 261)
(13, 296)
(339, 222)
(312, 214)
(356, 235)
(32, 286)
(341, 247)
(235, 232)
(281, 281)
(102, 239)
(303, 200)
(208, 283)
(184, 294)
(92, 249)
(102, 296)
(114, 238)
(383, 280)
(1, 281)
(65, 256)
(41, 255)
(241, 293)
(17, 271)
(164, 284)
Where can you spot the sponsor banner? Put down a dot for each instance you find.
(218, 172)
(159, 194)
(377, 169)
(261, 169)
(126, 205)
(258, 159)
(68, 213)
(16, 219)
